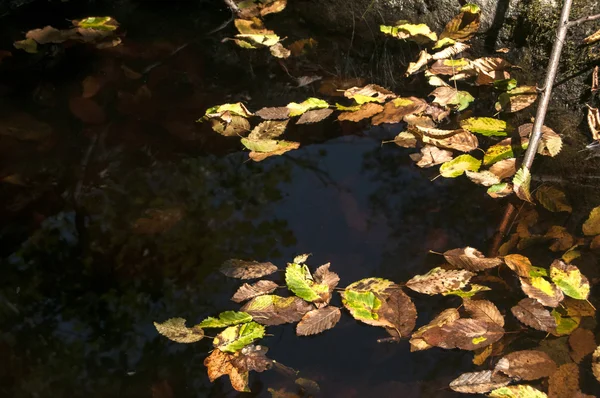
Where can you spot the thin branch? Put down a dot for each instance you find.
(583, 19)
(232, 6)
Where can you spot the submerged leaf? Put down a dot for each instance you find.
(175, 329)
(227, 318)
(485, 178)
(234, 338)
(457, 166)
(275, 310)
(582, 343)
(318, 320)
(553, 199)
(533, 314)
(242, 269)
(526, 365)
(439, 281)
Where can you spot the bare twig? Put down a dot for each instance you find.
(582, 20)
(232, 6)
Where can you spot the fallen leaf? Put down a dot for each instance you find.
(591, 226)
(439, 281)
(318, 320)
(463, 25)
(465, 334)
(247, 269)
(226, 318)
(449, 67)
(417, 343)
(234, 338)
(279, 51)
(485, 178)
(406, 140)
(484, 310)
(324, 276)
(594, 37)
(526, 365)
(297, 109)
(593, 119)
(219, 363)
(175, 329)
(276, 310)
(546, 293)
(519, 264)
(90, 86)
(252, 358)
(519, 391)
(268, 130)
(277, 113)
(521, 183)
(596, 363)
(564, 383)
(578, 308)
(365, 111)
(570, 280)
(87, 110)
(280, 147)
(300, 281)
(516, 99)
(563, 240)
(422, 61)
(247, 292)
(451, 96)
(564, 325)
(369, 93)
(394, 111)
(431, 156)
(457, 166)
(553, 199)
(500, 190)
(478, 382)
(595, 80)
(314, 116)
(419, 33)
(486, 126)
(451, 51)
(582, 343)
(503, 150)
(473, 290)
(470, 259)
(550, 143)
(533, 314)
(302, 46)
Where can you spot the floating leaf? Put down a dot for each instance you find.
(582, 343)
(314, 116)
(592, 224)
(521, 183)
(478, 382)
(247, 269)
(570, 280)
(564, 325)
(253, 34)
(484, 310)
(563, 240)
(516, 99)
(491, 70)
(237, 108)
(473, 290)
(246, 291)
(234, 338)
(219, 363)
(439, 281)
(533, 314)
(230, 125)
(274, 113)
(457, 166)
(369, 93)
(486, 126)
(318, 320)
(266, 148)
(279, 51)
(306, 105)
(463, 25)
(362, 306)
(550, 143)
(415, 67)
(324, 276)
(449, 67)
(227, 318)
(431, 156)
(500, 190)
(275, 310)
(461, 140)
(451, 96)
(465, 334)
(578, 308)
(519, 391)
(526, 365)
(564, 383)
(419, 33)
(543, 291)
(175, 329)
(406, 140)
(27, 45)
(395, 110)
(470, 259)
(485, 178)
(300, 281)
(502, 150)
(416, 341)
(504, 168)
(519, 264)
(451, 51)
(268, 130)
(362, 112)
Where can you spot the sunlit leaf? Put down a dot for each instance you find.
(242, 269)
(439, 281)
(318, 320)
(308, 104)
(362, 306)
(395, 110)
(564, 325)
(550, 143)
(369, 93)
(485, 178)
(300, 281)
(406, 139)
(314, 116)
(416, 341)
(570, 280)
(175, 329)
(227, 318)
(526, 365)
(324, 276)
(359, 113)
(473, 290)
(268, 130)
(279, 51)
(419, 33)
(521, 182)
(457, 166)
(274, 113)
(518, 391)
(596, 363)
(430, 156)
(470, 259)
(478, 382)
(237, 108)
(500, 190)
(532, 313)
(234, 338)
(486, 126)
(101, 23)
(449, 67)
(219, 363)
(262, 149)
(491, 70)
(303, 46)
(594, 37)
(451, 96)
(519, 264)
(502, 150)
(505, 84)
(591, 226)
(275, 310)
(484, 310)
(415, 67)
(451, 51)
(543, 291)
(516, 99)
(463, 25)
(247, 291)
(465, 334)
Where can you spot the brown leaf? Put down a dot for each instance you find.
(323, 276)
(462, 26)
(414, 67)
(268, 130)
(482, 354)
(593, 119)
(595, 80)
(564, 383)
(449, 67)
(466, 334)
(485, 178)
(219, 363)
(252, 358)
(462, 141)
(399, 312)
(519, 264)
(439, 281)
(553, 199)
(470, 259)
(582, 343)
(279, 51)
(516, 99)
(550, 143)
(318, 320)
(48, 34)
(563, 240)
(366, 110)
(431, 156)
(314, 116)
(230, 125)
(504, 168)
(526, 365)
(419, 121)
(451, 51)
(157, 221)
(596, 363)
(437, 112)
(275, 310)
(533, 314)
(278, 113)
(379, 93)
(87, 110)
(247, 291)
(479, 382)
(90, 86)
(175, 329)
(417, 343)
(259, 156)
(336, 86)
(394, 111)
(247, 269)
(594, 37)
(549, 298)
(406, 140)
(579, 308)
(484, 310)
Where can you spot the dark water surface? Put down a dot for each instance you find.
(86, 271)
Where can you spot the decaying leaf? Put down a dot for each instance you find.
(451, 96)
(262, 149)
(550, 143)
(484, 310)
(253, 34)
(491, 70)
(226, 318)
(450, 67)
(297, 109)
(479, 382)
(465, 334)
(578, 308)
(463, 25)
(485, 178)
(461, 140)
(519, 264)
(457, 166)
(406, 139)
(518, 391)
(275, 310)
(419, 33)
(470, 259)
(279, 51)
(564, 383)
(582, 342)
(314, 116)
(486, 126)
(242, 269)
(268, 130)
(365, 111)
(521, 182)
(591, 226)
(234, 338)
(395, 110)
(451, 51)
(553, 199)
(369, 93)
(318, 320)
(247, 291)
(594, 37)
(573, 253)
(570, 280)
(502, 150)
(300, 281)
(595, 80)
(473, 290)
(416, 341)
(516, 99)
(175, 329)
(563, 240)
(533, 314)
(545, 292)
(526, 365)
(414, 67)
(564, 324)
(324, 276)
(500, 190)
(431, 156)
(593, 119)
(219, 363)
(439, 281)
(596, 363)
(274, 113)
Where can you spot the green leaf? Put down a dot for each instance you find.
(471, 8)
(300, 281)
(459, 165)
(521, 182)
(175, 329)
(505, 84)
(98, 23)
(234, 338)
(227, 318)
(467, 293)
(486, 126)
(519, 391)
(570, 280)
(363, 306)
(564, 325)
(446, 41)
(310, 103)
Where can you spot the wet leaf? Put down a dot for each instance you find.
(563, 240)
(518, 391)
(398, 312)
(281, 148)
(521, 182)
(516, 99)
(303, 46)
(457, 166)
(591, 226)
(300, 281)
(593, 119)
(227, 318)
(87, 110)
(470, 259)
(570, 280)
(439, 281)
(268, 130)
(479, 382)
(416, 341)
(415, 67)
(267, 145)
(314, 116)
(486, 126)
(526, 365)
(310, 387)
(27, 45)
(324, 276)
(365, 111)
(578, 308)
(230, 125)
(242, 269)
(253, 34)
(484, 310)
(449, 67)
(564, 325)
(543, 291)
(534, 315)
(491, 70)
(502, 150)
(318, 320)
(175, 329)
(485, 178)
(234, 338)
(461, 141)
(505, 84)
(219, 363)
(406, 140)
(500, 190)
(247, 291)
(519, 264)
(582, 343)
(463, 25)
(394, 111)
(596, 363)
(369, 93)
(553, 199)
(277, 113)
(564, 383)
(306, 105)
(301, 258)
(252, 358)
(100, 23)
(275, 310)
(419, 33)
(550, 143)
(451, 96)
(238, 109)
(465, 334)
(362, 306)
(473, 290)
(431, 156)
